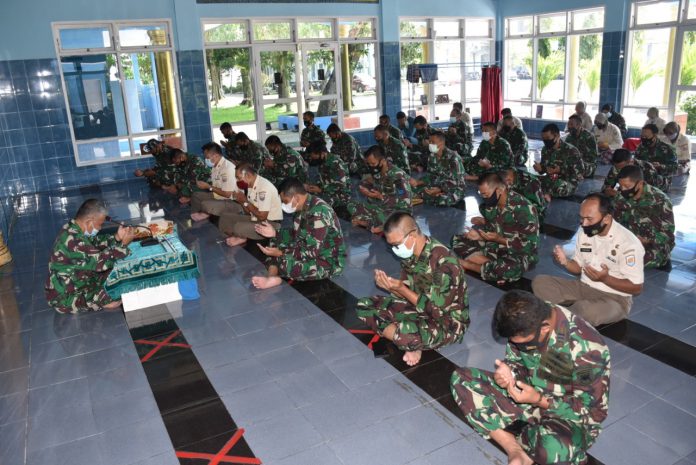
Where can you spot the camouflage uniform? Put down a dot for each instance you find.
(232, 153)
(334, 181)
(499, 154)
(651, 218)
(419, 154)
(586, 144)
(394, 132)
(529, 186)
(396, 152)
(313, 248)
(460, 141)
(78, 268)
(519, 144)
(193, 170)
(650, 176)
(348, 150)
(565, 183)
(572, 373)
(286, 164)
(312, 133)
(165, 170)
(441, 315)
(665, 155)
(447, 173)
(254, 154)
(517, 222)
(394, 187)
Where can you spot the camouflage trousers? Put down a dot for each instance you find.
(605, 156)
(546, 439)
(557, 187)
(290, 267)
(417, 158)
(471, 166)
(588, 168)
(444, 199)
(415, 330)
(374, 213)
(521, 157)
(88, 298)
(657, 255)
(501, 265)
(339, 199)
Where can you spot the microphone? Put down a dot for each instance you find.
(109, 219)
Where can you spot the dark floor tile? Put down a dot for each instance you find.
(198, 423)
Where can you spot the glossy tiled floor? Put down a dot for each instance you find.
(282, 365)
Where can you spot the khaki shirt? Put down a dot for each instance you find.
(682, 145)
(223, 178)
(611, 135)
(264, 196)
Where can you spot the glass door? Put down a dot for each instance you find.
(683, 95)
(278, 92)
(322, 83)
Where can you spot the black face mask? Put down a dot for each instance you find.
(376, 169)
(646, 142)
(530, 346)
(506, 129)
(307, 123)
(594, 229)
(490, 201)
(601, 126)
(315, 161)
(630, 193)
(574, 131)
(549, 143)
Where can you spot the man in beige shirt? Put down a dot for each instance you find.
(214, 199)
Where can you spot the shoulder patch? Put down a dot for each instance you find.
(631, 260)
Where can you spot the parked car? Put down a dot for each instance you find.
(363, 83)
(523, 74)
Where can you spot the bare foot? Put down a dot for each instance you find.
(361, 223)
(376, 230)
(233, 241)
(184, 200)
(519, 457)
(266, 282)
(412, 358)
(547, 197)
(113, 305)
(199, 216)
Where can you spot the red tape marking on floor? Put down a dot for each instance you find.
(374, 339)
(159, 344)
(222, 456)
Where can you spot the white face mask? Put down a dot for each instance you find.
(209, 163)
(402, 251)
(432, 148)
(608, 114)
(406, 124)
(486, 136)
(453, 119)
(288, 208)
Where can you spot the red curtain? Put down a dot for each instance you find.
(491, 94)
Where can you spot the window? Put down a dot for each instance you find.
(119, 93)
(261, 84)
(460, 47)
(661, 61)
(552, 61)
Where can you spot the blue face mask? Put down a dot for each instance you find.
(93, 232)
(209, 163)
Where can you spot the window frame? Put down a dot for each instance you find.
(117, 50)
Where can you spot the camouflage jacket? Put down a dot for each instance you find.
(586, 144)
(165, 170)
(193, 170)
(286, 164)
(348, 150)
(438, 279)
(572, 372)
(529, 186)
(446, 172)
(334, 181)
(231, 149)
(79, 265)
(661, 153)
(518, 222)
(566, 157)
(422, 135)
(316, 237)
(394, 132)
(396, 152)
(649, 217)
(519, 144)
(617, 120)
(254, 154)
(312, 133)
(394, 187)
(499, 154)
(650, 175)
(458, 138)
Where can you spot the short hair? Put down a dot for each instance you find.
(317, 147)
(212, 147)
(608, 107)
(396, 220)
(151, 144)
(458, 105)
(491, 179)
(552, 128)
(519, 313)
(489, 124)
(575, 118)
(601, 118)
(672, 126)
(385, 116)
(375, 151)
(333, 129)
(581, 102)
(273, 140)
(91, 208)
(380, 128)
(632, 172)
(291, 186)
(620, 156)
(245, 168)
(506, 111)
(177, 153)
(225, 125)
(241, 136)
(309, 114)
(400, 115)
(439, 135)
(654, 110)
(420, 119)
(508, 118)
(605, 205)
(652, 128)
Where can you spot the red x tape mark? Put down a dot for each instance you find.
(222, 455)
(159, 344)
(374, 339)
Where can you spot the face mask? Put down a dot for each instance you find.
(530, 346)
(288, 208)
(594, 229)
(209, 163)
(376, 169)
(507, 129)
(92, 233)
(402, 251)
(645, 141)
(630, 193)
(453, 120)
(672, 137)
(406, 124)
(432, 148)
(573, 132)
(243, 185)
(601, 126)
(307, 123)
(491, 201)
(486, 136)
(314, 161)
(608, 114)
(549, 143)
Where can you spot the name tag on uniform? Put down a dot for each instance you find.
(585, 249)
(611, 259)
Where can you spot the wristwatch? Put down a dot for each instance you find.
(210, 189)
(245, 204)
